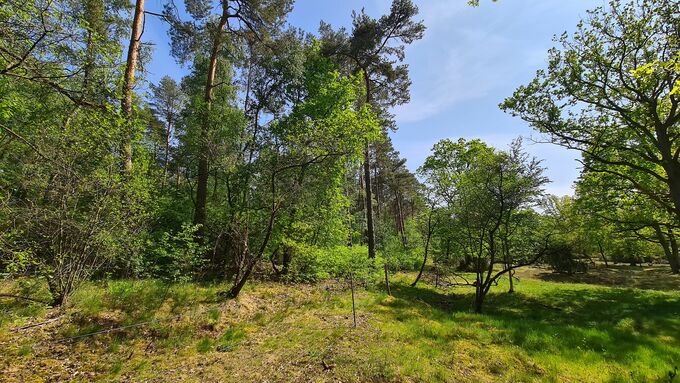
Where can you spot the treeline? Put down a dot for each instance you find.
(273, 155)
(273, 146)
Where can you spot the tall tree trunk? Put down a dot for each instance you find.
(604, 258)
(376, 186)
(400, 219)
(670, 248)
(370, 230)
(427, 247)
(674, 259)
(670, 164)
(203, 167)
(129, 83)
(166, 158)
(369, 203)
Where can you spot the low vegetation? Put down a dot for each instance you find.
(545, 331)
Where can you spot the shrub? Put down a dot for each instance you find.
(176, 256)
(311, 264)
(562, 259)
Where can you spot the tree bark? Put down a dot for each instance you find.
(203, 166)
(370, 231)
(387, 280)
(128, 84)
(166, 159)
(670, 164)
(604, 258)
(674, 259)
(479, 298)
(427, 247)
(670, 248)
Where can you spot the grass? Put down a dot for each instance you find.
(545, 332)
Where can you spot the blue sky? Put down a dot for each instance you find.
(469, 60)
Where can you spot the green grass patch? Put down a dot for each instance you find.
(544, 332)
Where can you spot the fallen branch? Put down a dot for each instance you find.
(36, 324)
(105, 331)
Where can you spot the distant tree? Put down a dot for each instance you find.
(167, 101)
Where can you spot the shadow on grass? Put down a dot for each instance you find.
(618, 325)
(136, 306)
(654, 277)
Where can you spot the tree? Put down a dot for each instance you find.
(626, 214)
(487, 193)
(167, 102)
(129, 83)
(323, 130)
(610, 91)
(254, 20)
(372, 50)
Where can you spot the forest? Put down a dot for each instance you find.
(252, 220)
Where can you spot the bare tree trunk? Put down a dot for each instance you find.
(604, 258)
(369, 203)
(674, 260)
(511, 277)
(427, 247)
(166, 158)
(354, 308)
(400, 219)
(479, 297)
(670, 248)
(129, 82)
(387, 280)
(670, 164)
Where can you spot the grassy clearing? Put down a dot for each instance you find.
(544, 332)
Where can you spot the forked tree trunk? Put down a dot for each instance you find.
(670, 248)
(129, 83)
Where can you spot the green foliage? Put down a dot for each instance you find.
(312, 264)
(176, 257)
(610, 92)
(562, 258)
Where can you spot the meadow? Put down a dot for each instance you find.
(547, 331)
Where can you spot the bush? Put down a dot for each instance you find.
(311, 264)
(176, 256)
(400, 258)
(562, 259)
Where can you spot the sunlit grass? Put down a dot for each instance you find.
(543, 332)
